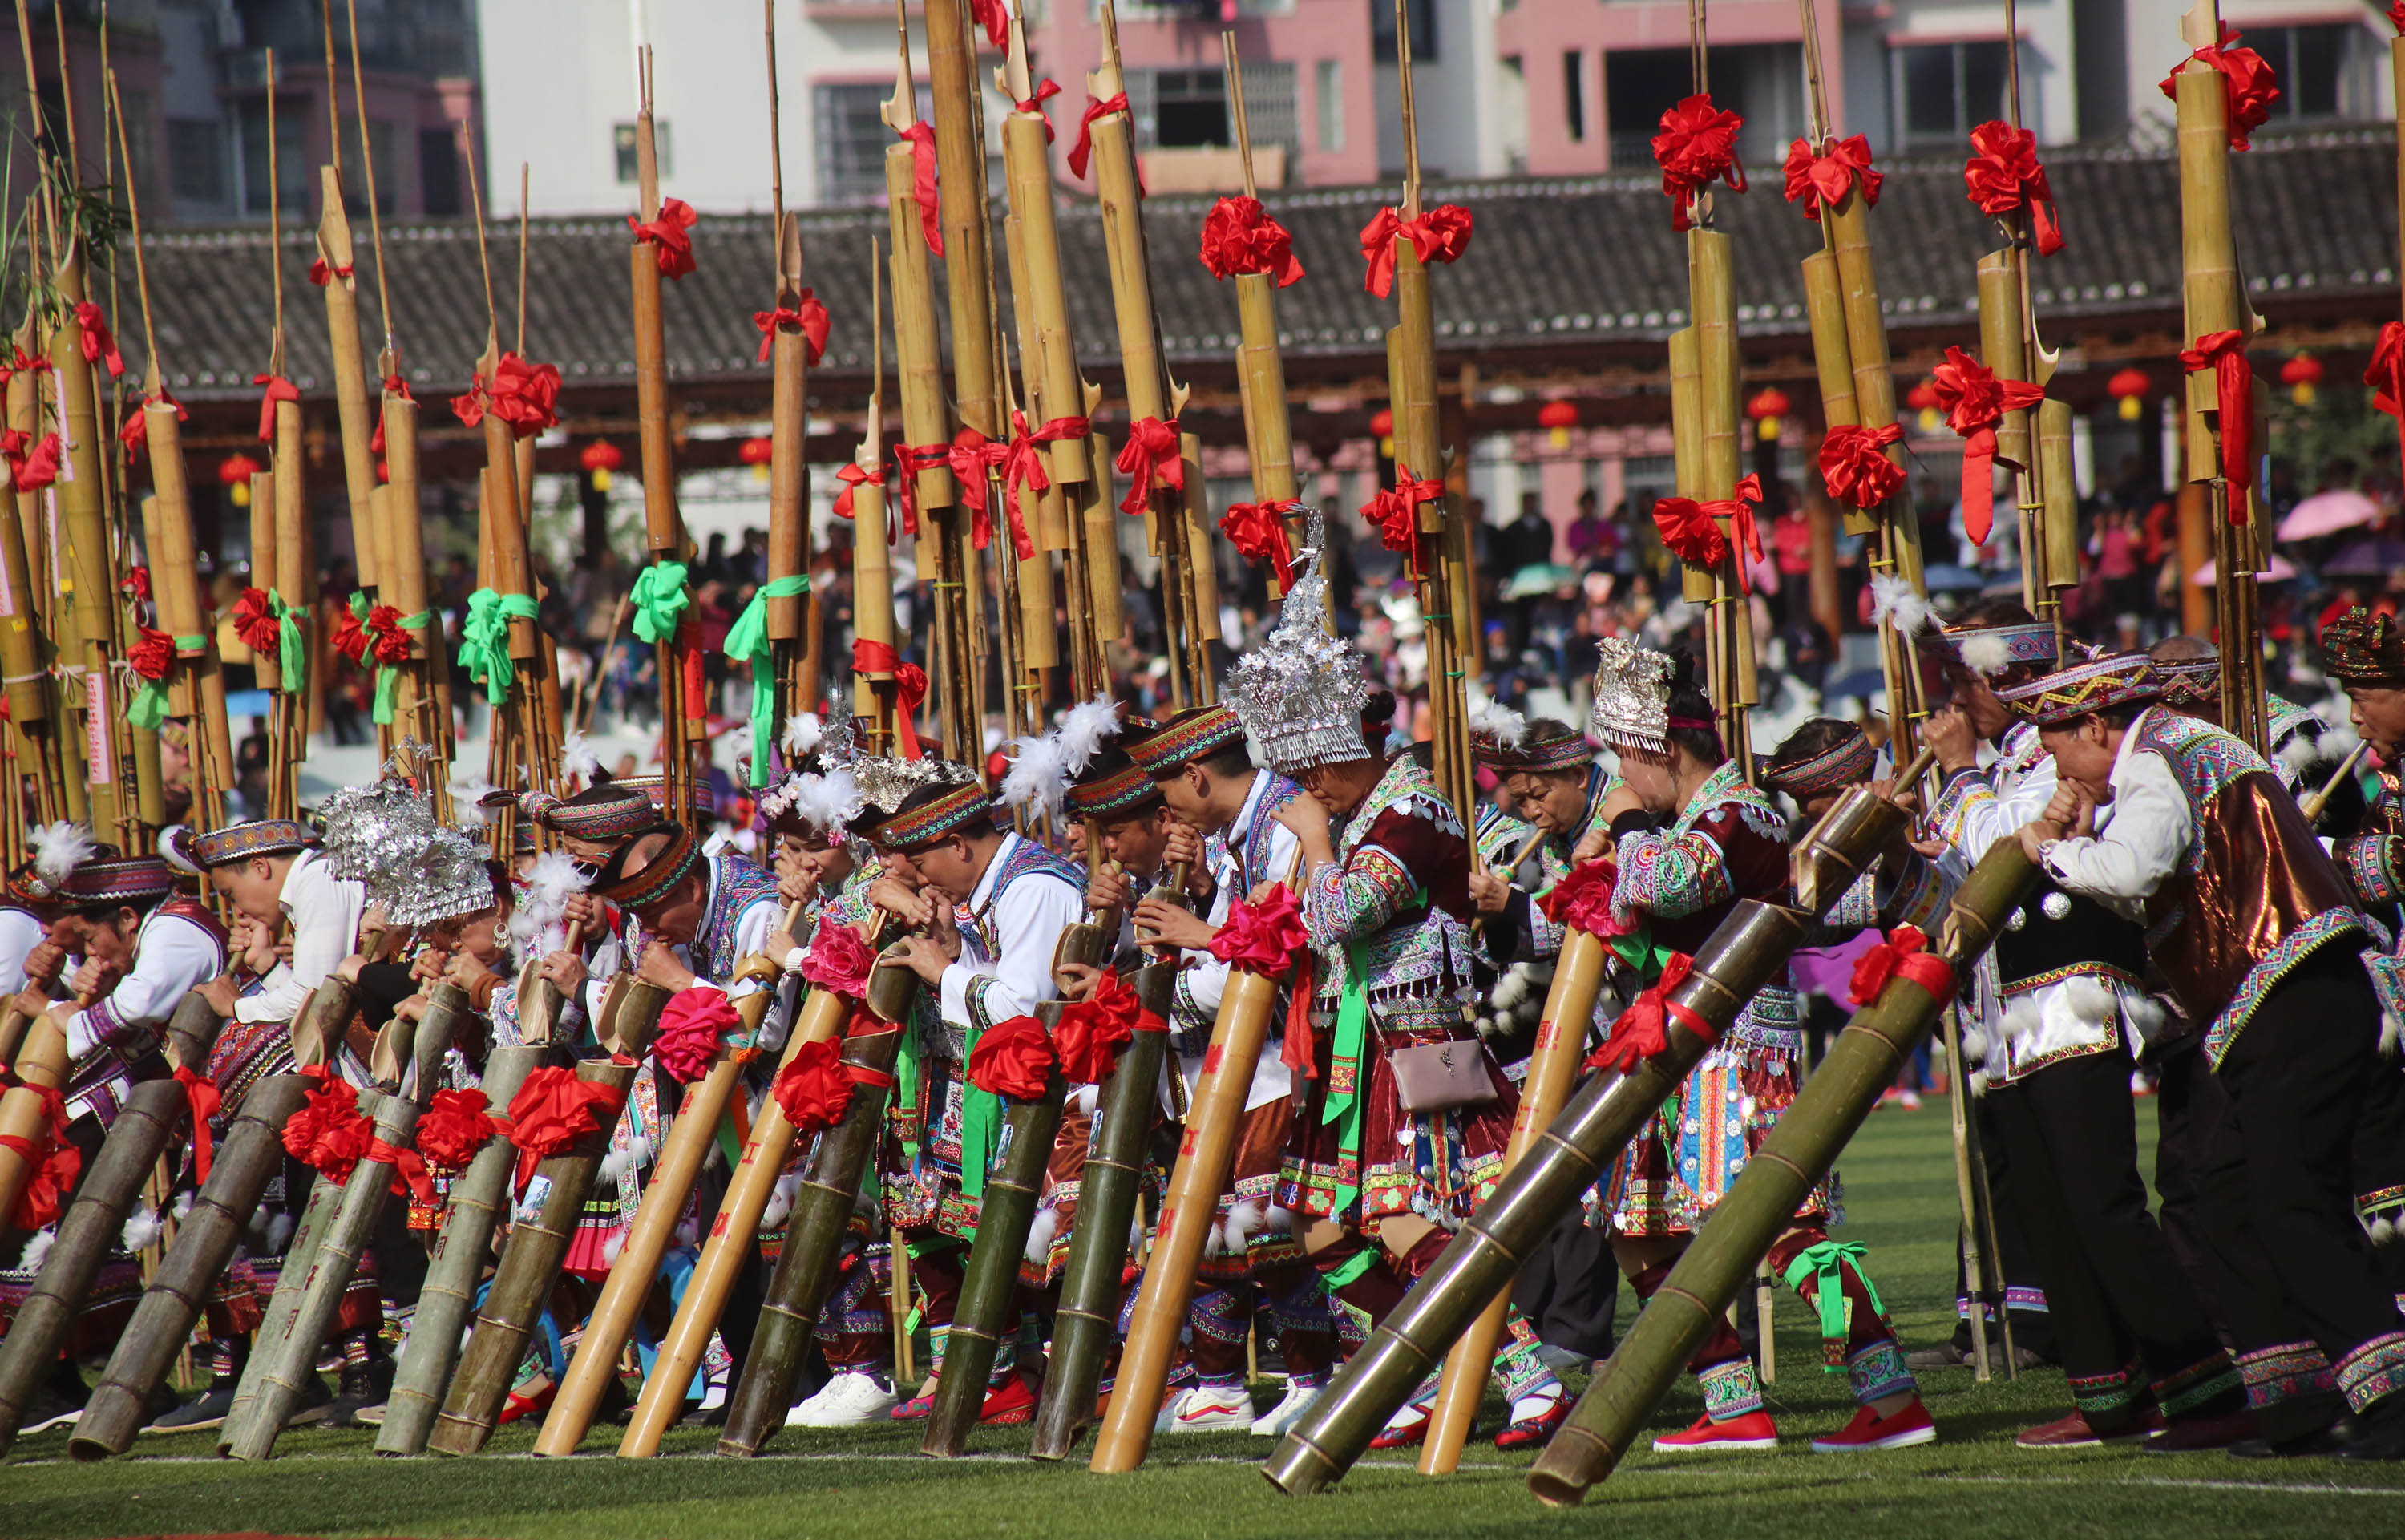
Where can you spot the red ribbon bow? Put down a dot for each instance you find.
(201, 1097)
(255, 624)
(409, 1173)
(97, 344)
(278, 388)
(135, 434)
(1012, 1059)
(1698, 145)
(2253, 84)
(153, 654)
(1258, 532)
(1045, 91)
(321, 274)
(922, 183)
(810, 318)
(1439, 235)
(853, 476)
(2397, 16)
(1692, 529)
(1975, 401)
(552, 1111)
(524, 395)
(328, 1133)
(1395, 512)
(1091, 1031)
(1264, 938)
(1900, 956)
(909, 688)
(2386, 374)
(814, 1088)
(692, 1027)
(670, 236)
(2233, 386)
(53, 1157)
(1082, 152)
(990, 15)
(1151, 451)
(31, 472)
(2004, 175)
(839, 959)
(1239, 236)
(1642, 1030)
(1582, 899)
(455, 1125)
(1854, 464)
(135, 584)
(1814, 180)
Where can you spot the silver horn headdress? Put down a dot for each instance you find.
(1302, 693)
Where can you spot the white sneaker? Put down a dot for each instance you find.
(1289, 1411)
(849, 1400)
(1209, 1409)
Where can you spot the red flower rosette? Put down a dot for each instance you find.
(1582, 899)
(524, 395)
(1642, 1030)
(1239, 236)
(692, 1027)
(256, 624)
(670, 236)
(1975, 401)
(1900, 956)
(552, 1111)
(1091, 1031)
(2003, 176)
(1813, 181)
(455, 1125)
(1264, 938)
(1697, 146)
(839, 959)
(152, 654)
(1854, 464)
(2254, 85)
(1012, 1059)
(813, 1089)
(330, 1133)
(386, 641)
(1258, 531)
(1439, 235)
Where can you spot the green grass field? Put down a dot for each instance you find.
(873, 1483)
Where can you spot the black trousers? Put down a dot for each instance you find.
(1569, 1287)
(2118, 1297)
(2189, 1101)
(2033, 1326)
(2289, 1261)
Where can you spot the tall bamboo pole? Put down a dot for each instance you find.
(663, 527)
(1260, 367)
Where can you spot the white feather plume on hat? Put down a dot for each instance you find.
(827, 802)
(539, 923)
(1985, 653)
(1039, 776)
(1896, 602)
(60, 848)
(1499, 722)
(576, 755)
(1084, 730)
(803, 730)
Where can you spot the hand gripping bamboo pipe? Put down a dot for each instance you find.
(822, 1209)
(1760, 1203)
(93, 1222)
(1552, 1069)
(1745, 952)
(530, 1263)
(638, 1265)
(447, 1301)
(732, 1235)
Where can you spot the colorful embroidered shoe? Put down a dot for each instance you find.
(1910, 1425)
(1007, 1404)
(1407, 1431)
(919, 1406)
(1529, 1431)
(1755, 1430)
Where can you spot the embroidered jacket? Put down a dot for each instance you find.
(1396, 904)
(180, 946)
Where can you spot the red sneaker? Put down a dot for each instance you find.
(1007, 1404)
(1535, 1430)
(1869, 1431)
(1754, 1430)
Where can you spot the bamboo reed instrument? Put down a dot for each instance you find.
(1843, 1089)
(664, 531)
(1746, 950)
(874, 689)
(926, 423)
(1260, 367)
(2314, 803)
(88, 576)
(791, 618)
(24, 1119)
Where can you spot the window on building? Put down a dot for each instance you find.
(852, 139)
(1327, 102)
(291, 160)
(1639, 85)
(622, 140)
(1190, 107)
(438, 173)
(1943, 91)
(1422, 14)
(196, 160)
(1574, 94)
(1512, 113)
(2324, 71)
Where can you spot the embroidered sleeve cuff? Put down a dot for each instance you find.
(2372, 862)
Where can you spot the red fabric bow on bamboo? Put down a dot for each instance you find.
(1012, 1059)
(1813, 181)
(1900, 956)
(1854, 464)
(1582, 899)
(394, 384)
(524, 395)
(1081, 152)
(30, 471)
(202, 1100)
(1264, 938)
(1258, 531)
(692, 1027)
(2254, 85)
(255, 624)
(1239, 236)
(135, 584)
(330, 1133)
(1439, 235)
(2397, 16)
(1022, 465)
(2386, 374)
(409, 1173)
(24, 362)
(853, 476)
(321, 274)
(909, 689)
(1642, 1030)
(135, 434)
(670, 235)
(2233, 390)
(990, 15)
(814, 1087)
(1692, 529)
(1975, 401)
(1045, 91)
(52, 1157)
(810, 318)
(1151, 451)
(970, 455)
(93, 337)
(2004, 175)
(1698, 145)
(153, 654)
(379, 636)
(455, 1125)
(278, 388)
(839, 959)
(1393, 511)
(1091, 1031)
(552, 1111)
(922, 183)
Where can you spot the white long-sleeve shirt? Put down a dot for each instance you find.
(171, 956)
(19, 933)
(324, 912)
(2139, 840)
(1203, 980)
(1005, 969)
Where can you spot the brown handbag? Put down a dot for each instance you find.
(1440, 1077)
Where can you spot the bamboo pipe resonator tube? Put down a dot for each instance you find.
(41, 1065)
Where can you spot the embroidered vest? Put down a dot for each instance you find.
(734, 885)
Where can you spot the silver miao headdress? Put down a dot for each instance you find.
(1632, 698)
(384, 836)
(1301, 693)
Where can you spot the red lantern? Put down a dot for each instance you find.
(599, 458)
(1922, 398)
(1557, 417)
(756, 453)
(1382, 423)
(234, 472)
(1769, 405)
(2301, 375)
(2129, 386)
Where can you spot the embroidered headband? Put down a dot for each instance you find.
(106, 885)
(931, 821)
(1845, 763)
(2360, 647)
(604, 813)
(2115, 678)
(1190, 735)
(1114, 791)
(2189, 683)
(1989, 650)
(241, 841)
(1542, 746)
(659, 876)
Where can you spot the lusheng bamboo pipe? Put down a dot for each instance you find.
(1098, 513)
(351, 399)
(638, 1264)
(1832, 363)
(41, 1065)
(1849, 239)
(805, 1266)
(447, 1301)
(1711, 281)
(1746, 950)
(1050, 367)
(176, 583)
(1843, 1089)
(1045, 514)
(2003, 348)
(1687, 444)
(919, 362)
(732, 1235)
(87, 573)
(1091, 1280)
(789, 473)
(1552, 1069)
(251, 1151)
(424, 697)
(2062, 494)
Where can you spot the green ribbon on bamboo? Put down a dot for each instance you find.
(484, 640)
(387, 688)
(659, 600)
(747, 642)
(980, 1117)
(150, 705)
(1825, 1265)
(291, 648)
(1344, 1072)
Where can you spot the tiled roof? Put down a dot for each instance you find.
(1580, 263)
